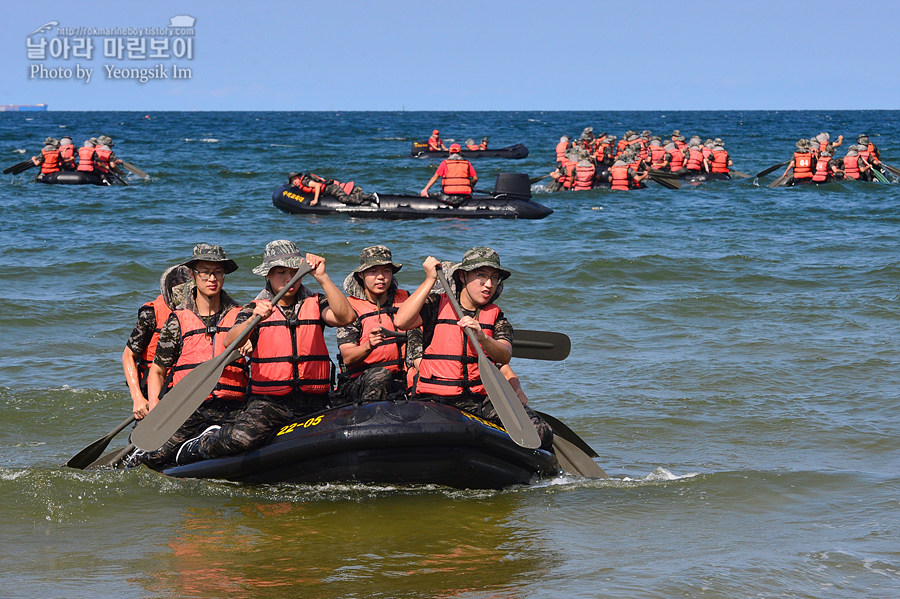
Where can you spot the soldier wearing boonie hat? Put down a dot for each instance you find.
(375, 363)
(290, 369)
(141, 345)
(447, 373)
(194, 332)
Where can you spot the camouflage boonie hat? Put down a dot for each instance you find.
(208, 252)
(106, 140)
(376, 255)
(482, 256)
(281, 252)
(174, 285)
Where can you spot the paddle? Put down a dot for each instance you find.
(534, 180)
(572, 452)
(665, 179)
(19, 167)
(541, 345)
(112, 459)
(892, 169)
(131, 168)
(83, 458)
(782, 179)
(879, 175)
(184, 398)
(531, 345)
(771, 169)
(512, 414)
(739, 174)
(114, 172)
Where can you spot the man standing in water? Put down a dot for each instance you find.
(290, 370)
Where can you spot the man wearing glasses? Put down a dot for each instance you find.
(192, 335)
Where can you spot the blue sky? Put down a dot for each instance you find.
(463, 55)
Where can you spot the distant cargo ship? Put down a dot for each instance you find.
(22, 107)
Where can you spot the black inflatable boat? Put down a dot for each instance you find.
(405, 442)
(77, 178)
(511, 199)
(420, 150)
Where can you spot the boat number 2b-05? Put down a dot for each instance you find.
(307, 424)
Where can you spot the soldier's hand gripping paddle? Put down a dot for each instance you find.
(184, 398)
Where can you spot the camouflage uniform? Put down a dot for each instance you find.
(264, 414)
(354, 198)
(376, 383)
(168, 350)
(480, 405)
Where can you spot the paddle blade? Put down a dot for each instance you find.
(782, 179)
(112, 459)
(83, 458)
(739, 174)
(541, 345)
(771, 169)
(574, 461)
(562, 430)
(21, 167)
(180, 402)
(130, 167)
(505, 401)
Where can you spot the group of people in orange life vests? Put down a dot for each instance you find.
(436, 144)
(286, 370)
(623, 164)
(95, 158)
(814, 161)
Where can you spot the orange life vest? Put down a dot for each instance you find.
(67, 156)
(391, 354)
(473, 147)
(822, 170)
(292, 354)
(851, 167)
(584, 177)
(51, 161)
(102, 159)
(695, 159)
(449, 366)
(457, 181)
(680, 144)
(677, 162)
(482, 145)
(434, 144)
(199, 344)
(568, 177)
(802, 165)
(561, 148)
(306, 189)
(707, 152)
(865, 155)
(161, 312)
(657, 156)
(85, 159)
(823, 145)
(719, 161)
(618, 178)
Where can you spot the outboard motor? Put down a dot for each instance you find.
(516, 186)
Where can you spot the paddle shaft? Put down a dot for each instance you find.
(130, 167)
(532, 345)
(183, 399)
(83, 458)
(504, 399)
